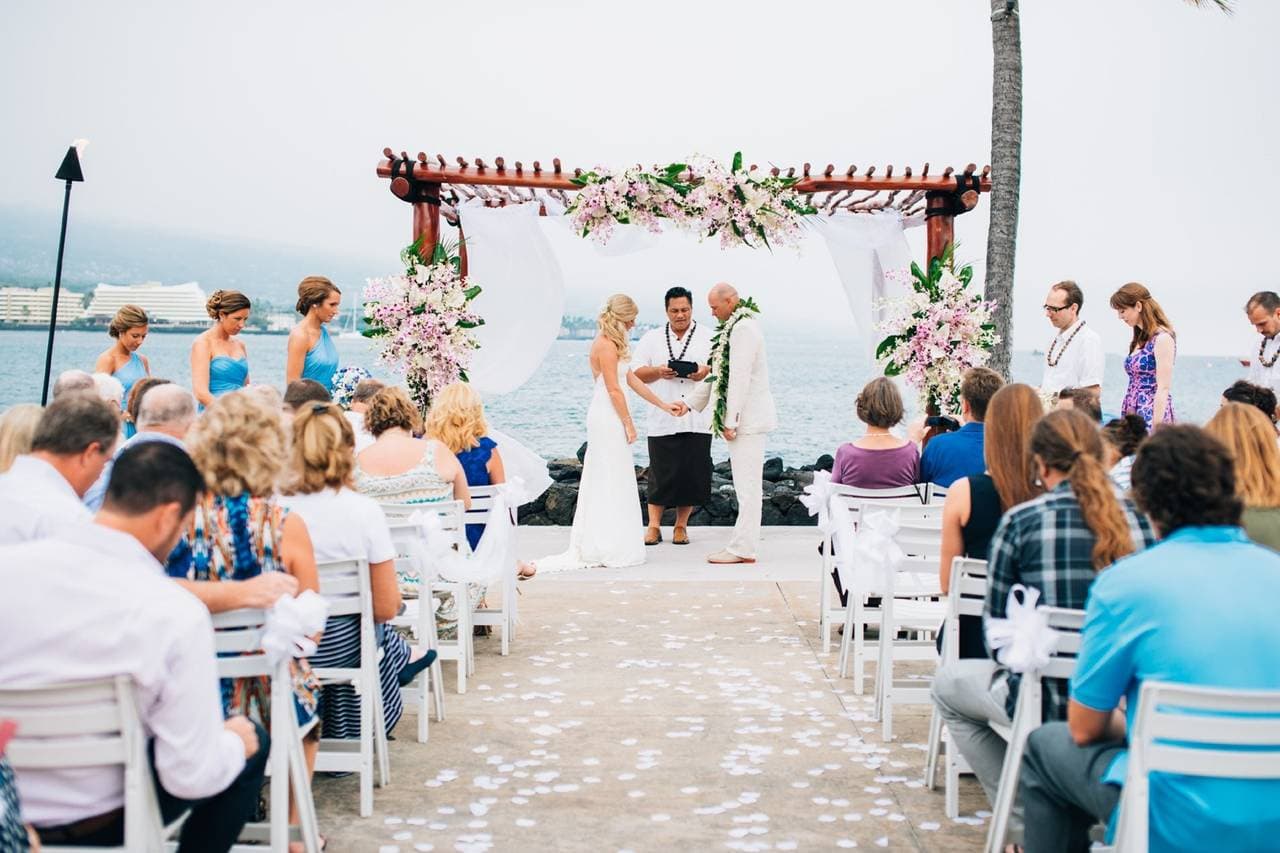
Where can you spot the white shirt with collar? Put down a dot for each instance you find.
(91, 603)
(1079, 365)
(36, 501)
(652, 351)
(1259, 373)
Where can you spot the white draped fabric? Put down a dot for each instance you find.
(523, 299)
(862, 247)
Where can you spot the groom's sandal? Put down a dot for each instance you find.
(652, 536)
(680, 536)
(729, 557)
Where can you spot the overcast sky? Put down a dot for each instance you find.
(1148, 125)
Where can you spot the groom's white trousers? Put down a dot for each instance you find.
(746, 456)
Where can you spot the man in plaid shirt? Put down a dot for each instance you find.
(1044, 544)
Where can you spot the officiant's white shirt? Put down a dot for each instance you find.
(1259, 373)
(1081, 363)
(652, 352)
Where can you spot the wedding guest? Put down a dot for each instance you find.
(301, 392)
(220, 362)
(40, 493)
(1263, 311)
(71, 382)
(356, 411)
(346, 525)
(240, 530)
(109, 388)
(1151, 355)
(1250, 438)
(399, 468)
(1121, 438)
(974, 504)
(1056, 543)
(345, 382)
(129, 329)
(1074, 357)
(878, 459)
(129, 620)
(1198, 608)
(679, 447)
(134, 399)
(17, 429)
(1260, 397)
(750, 415)
(1082, 400)
(953, 455)
(166, 414)
(311, 352)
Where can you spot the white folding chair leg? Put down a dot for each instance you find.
(846, 640)
(935, 747)
(1007, 794)
(366, 751)
(301, 781)
(824, 596)
(279, 762)
(436, 671)
(884, 685)
(951, 774)
(380, 738)
(859, 645)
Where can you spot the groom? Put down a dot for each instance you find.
(748, 413)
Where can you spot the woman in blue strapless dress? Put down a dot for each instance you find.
(311, 352)
(129, 328)
(219, 362)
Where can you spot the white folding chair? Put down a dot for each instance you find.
(829, 609)
(238, 641)
(503, 617)
(83, 725)
(420, 618)
(1195, 731)
(966, 597)
(1028, 715)
(345, 585)
(857, 615)
(910, 603)
(935, 494)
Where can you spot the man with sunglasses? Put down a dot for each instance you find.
(1074, 357)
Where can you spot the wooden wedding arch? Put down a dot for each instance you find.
(434, 187)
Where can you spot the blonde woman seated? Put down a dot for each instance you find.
(457, 421)
(1251, 439)
(346, 525)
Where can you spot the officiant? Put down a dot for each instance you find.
(673, 359)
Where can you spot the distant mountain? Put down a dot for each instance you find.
(124, 254)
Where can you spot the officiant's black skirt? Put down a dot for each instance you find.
(680, 469)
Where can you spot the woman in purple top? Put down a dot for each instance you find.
(879, 459)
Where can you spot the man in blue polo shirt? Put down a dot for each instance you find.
(1197, 608)
(953, 455)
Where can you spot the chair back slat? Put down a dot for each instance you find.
(920, 540)
(935, 494)
(85, 724)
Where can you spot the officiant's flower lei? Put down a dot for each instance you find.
(720, 362)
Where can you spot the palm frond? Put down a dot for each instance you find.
(1223, 6)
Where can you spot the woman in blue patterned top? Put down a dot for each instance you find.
(311, 352)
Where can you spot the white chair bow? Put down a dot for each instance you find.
(1023, 641)
(494, 553)
(290, 624)
(822, 498)
(875, 553)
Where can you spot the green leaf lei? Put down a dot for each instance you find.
(720, 362)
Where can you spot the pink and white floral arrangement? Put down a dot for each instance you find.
(424, 322)
(936, 332)
(744, 207)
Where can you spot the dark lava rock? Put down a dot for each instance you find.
(825, 462)
(773, 468)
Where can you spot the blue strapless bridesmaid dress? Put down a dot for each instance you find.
(321, 362)
(227, 374)
(129, 373)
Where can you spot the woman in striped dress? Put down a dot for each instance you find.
(346, 525)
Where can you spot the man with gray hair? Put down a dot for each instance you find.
(165, 413)
(72, 381)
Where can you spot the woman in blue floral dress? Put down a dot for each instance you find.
(1151, 355)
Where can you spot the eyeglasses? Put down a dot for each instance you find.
(1054, 309)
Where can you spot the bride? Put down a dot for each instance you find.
(607, 527)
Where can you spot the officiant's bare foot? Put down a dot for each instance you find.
(729, 557)
(680, 536)
(652, 536)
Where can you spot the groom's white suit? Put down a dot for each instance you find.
(750, 411)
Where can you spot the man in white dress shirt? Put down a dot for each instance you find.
(41, 493)
(673, 359)
(93, 602)
(1263, 310)
(1074, 358)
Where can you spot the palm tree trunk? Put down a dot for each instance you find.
(1006, 168)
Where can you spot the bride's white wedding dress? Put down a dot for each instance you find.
(607, 529)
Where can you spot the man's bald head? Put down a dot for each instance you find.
(722, 298)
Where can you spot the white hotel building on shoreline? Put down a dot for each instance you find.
(30, 305)
(173, 305)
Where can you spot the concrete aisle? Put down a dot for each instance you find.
(672, 706)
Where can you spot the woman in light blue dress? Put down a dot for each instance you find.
(312, 354)
(129, 328)
(220, 362)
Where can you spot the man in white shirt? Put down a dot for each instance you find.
(1074, 358)
(93, 602)
(1263, 310)
(40, 494)
(360, 398)
(674, 359)
(165, 413)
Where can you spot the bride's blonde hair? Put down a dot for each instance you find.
(618, 310)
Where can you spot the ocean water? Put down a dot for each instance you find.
(814, 380)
